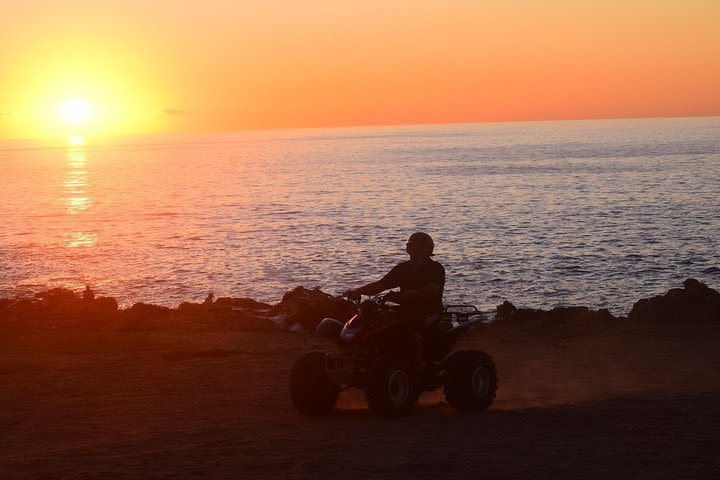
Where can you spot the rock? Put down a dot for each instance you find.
(59, 307)
(58, 298)
(308, 307)
(696, 302)
(186, 308)
(302, 309)
(505, 311)
(145, 316)
(146, 312)
(559, 320)
(100, 306)
(27, 308)
(242, 304)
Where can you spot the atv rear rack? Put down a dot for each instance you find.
(462, 313)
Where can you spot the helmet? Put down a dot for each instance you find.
(423, 239)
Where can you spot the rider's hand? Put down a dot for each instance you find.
(393, 296)
(352, 294)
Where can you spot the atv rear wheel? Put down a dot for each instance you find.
(391, 389)
(311, 391)
(470, 380)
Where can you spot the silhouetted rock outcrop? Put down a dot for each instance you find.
(246, 304)
(60, 307)
(559, 320)
(143, 310)
(100, 306)
(303, 309)
(307, 308)
(57, 306)
(226, 304)
(59, 298)
(696, 302)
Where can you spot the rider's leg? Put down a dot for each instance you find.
(416, 344)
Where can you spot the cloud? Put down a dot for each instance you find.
(173, 112)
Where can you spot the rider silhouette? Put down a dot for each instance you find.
(421, 280)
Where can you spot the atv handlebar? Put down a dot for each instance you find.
(453, 308)
(381, 300)
(392, 296)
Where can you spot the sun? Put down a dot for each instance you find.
(74, 111)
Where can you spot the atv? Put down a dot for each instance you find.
(393, 363)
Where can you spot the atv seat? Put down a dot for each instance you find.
(453, 316)
(440, 330)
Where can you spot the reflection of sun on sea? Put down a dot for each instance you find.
(79, 239)
(75, 112)
(76, 182)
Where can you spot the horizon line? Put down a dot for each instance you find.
(350, 126)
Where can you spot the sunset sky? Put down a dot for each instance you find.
(158, 65)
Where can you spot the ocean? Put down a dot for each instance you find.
(597, 213)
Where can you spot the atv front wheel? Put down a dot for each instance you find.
(311, 391)
(470, 380)
(391, 389)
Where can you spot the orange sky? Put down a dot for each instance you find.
(151, 66)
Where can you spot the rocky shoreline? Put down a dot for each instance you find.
(201, 391)
(301, 309)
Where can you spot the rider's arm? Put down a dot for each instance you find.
(390, 280)
(371, 288)
(386, 283)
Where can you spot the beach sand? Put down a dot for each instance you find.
(169, 404)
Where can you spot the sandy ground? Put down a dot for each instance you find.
(77, 404)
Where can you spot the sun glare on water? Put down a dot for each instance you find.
(74, 111)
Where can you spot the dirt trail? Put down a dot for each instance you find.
(214, 405)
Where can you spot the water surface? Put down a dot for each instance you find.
(596, 213)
